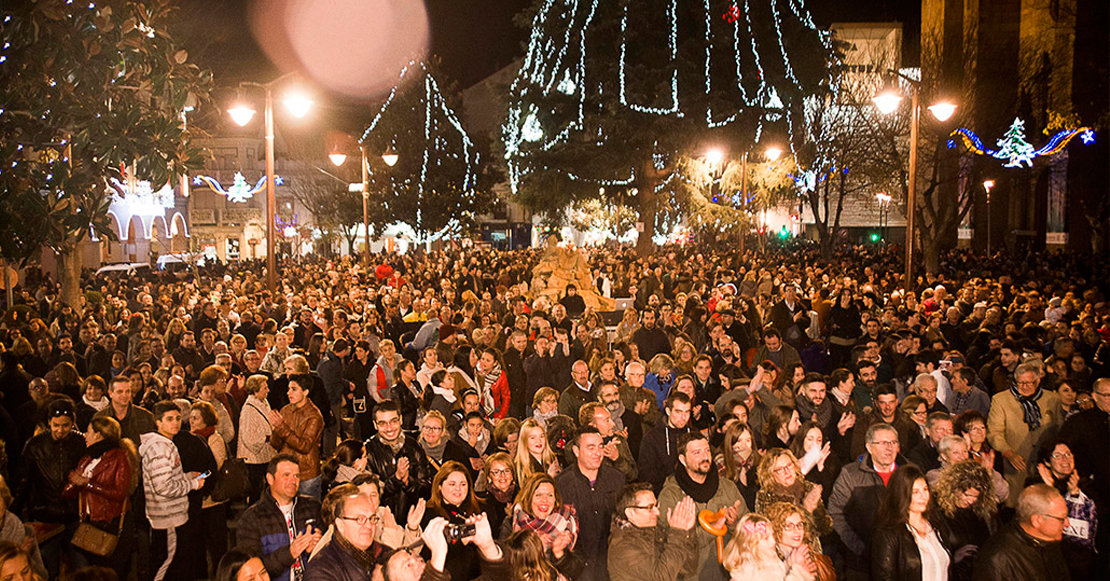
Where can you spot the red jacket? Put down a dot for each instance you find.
(500, 393)
(103, 498)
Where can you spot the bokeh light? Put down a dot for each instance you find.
(353, 47)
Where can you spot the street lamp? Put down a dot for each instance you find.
(390, 158)
(884, 207)
(242, 114)
(987, 185)
(887, 101)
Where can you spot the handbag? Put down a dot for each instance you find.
(97, 541)
(232, 481)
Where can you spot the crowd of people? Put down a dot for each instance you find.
(750, 416)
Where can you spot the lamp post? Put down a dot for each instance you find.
(242, 114)
(987, 185)
(887, 101)
(715, 158)
(390, 158)
(884, 207)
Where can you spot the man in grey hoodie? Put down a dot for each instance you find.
(166, 488)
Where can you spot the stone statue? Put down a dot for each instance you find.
(559, 267)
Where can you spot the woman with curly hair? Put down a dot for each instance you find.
(15, 563)
(966, 512)
(781, 480)
(796, 541)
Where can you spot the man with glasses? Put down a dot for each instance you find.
(1018, 420)
(1029, 548)
(854, 502)
(638, 547)
(352, 551)
(1088, 434)
(282, 526)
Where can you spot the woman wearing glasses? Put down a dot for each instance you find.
(796, 543)
(501, 488)
(781, 480)
(1056, 468)
(437, 446)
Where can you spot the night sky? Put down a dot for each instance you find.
(474, 38)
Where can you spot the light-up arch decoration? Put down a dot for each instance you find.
(239, 191)
(178, 226)
(1014, 149)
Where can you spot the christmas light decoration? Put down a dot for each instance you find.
(1013, 147)
(435, 110)
(750, 66)
(240, 190)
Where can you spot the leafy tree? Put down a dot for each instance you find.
(85, 89)
(617, 95)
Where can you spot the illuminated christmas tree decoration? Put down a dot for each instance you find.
(743, 60)
(1014, 149)
(239, 191)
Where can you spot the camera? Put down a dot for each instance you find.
(455, 533)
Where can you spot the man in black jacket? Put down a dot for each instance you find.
(514, 358)
(650, 338)
(398, 460)
(1030, 547)
(659, 450)
(541, 368)
(281, 527)
(592, 488)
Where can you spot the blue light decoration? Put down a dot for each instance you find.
(565, 34)
(1014, 149)
(287, 229)
(239, 191)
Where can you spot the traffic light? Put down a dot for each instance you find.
(875, 237)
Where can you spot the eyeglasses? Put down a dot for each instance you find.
(784, 470)
(790, 526)
(432, 428)
(1027, 383)
(363, 519)
(502, 472)
(885, 443)
(1062, 455)
(652, 506)
(1054, 517)
(393, 422)
(920, 412)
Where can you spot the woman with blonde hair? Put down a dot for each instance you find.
(630, 321)
(660, 377)
(13, 530)
(781, 480)
(533, 454)
(751, 556)
(796, 541)
(103, 481)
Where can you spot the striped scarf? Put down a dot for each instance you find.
(562, 519)
(487, 389)
(1031, 412)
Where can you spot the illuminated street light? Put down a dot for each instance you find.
(390, 157)
(714, 156)
(773, 153)
(337, 159)
(887, 101)
(298, 104)
(241, 114)
(943, 110)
